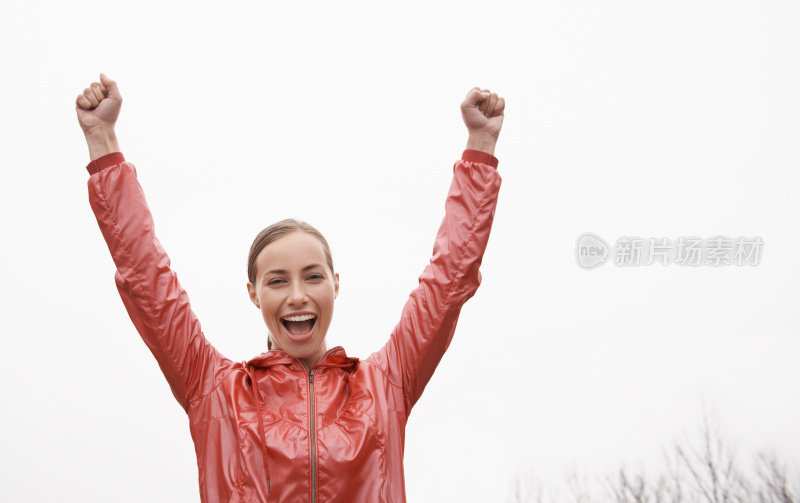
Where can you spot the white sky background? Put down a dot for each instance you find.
(650, 119)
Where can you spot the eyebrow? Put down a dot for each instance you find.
(284, 271)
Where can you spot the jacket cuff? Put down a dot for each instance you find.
(479, 156)
(105, 161)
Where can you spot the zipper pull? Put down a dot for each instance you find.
(311, 376)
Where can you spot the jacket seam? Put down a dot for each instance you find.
(341, 413)
(234, 417)
(122, 242)
(196, 401)
(385, 374)
(279, 418)
(446, 304)
(212, 419)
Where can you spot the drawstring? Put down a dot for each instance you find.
(251, 372)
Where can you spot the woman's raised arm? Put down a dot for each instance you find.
(429, 316)
(156, 302)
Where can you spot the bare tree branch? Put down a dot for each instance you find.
(698, 469)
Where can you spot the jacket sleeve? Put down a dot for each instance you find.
(156, 302)
(429, 317)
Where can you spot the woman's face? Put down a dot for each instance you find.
(295, 290)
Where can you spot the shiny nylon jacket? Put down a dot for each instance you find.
(271, 429)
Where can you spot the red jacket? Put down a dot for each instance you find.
(270, 428)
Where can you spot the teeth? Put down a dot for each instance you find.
(302, 317)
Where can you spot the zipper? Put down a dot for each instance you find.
(312, 433)
(312, 425)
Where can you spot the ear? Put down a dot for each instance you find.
(251, 291)
(335, 285)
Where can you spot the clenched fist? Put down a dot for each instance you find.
(98, 107)
(483, 115)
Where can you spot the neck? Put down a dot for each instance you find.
(310, 360)
(315, 358)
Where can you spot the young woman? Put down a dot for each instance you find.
(300, 422)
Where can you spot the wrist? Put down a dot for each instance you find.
(101, 143)
(482, 142)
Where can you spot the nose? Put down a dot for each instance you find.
(297, 295)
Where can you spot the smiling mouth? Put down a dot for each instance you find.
(296, 326)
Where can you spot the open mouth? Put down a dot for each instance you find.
(299, 325)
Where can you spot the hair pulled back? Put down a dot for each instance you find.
(277, 231)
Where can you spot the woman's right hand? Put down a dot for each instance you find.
(98, 107)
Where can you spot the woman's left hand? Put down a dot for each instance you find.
(482, 111)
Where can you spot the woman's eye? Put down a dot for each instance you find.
(315, 276)
(275, 281)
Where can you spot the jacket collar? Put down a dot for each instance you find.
(335, 357)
